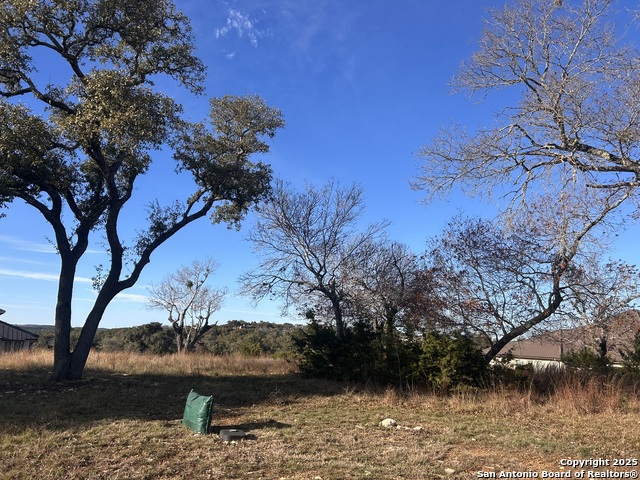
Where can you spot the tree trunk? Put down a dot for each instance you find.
(554, 304)
(88, 334)
(178, 333)
(70, 365)
(337, 314)
(389, 338)
(180, 344)
(62, 337)
(197, 335)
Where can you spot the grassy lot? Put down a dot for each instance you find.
(123, 422)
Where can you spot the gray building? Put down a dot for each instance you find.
(14, 339)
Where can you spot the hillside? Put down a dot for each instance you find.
(235, 336)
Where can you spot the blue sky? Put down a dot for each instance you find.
(362, 85)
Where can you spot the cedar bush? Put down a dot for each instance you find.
(587, 359)
(449, 361)
(631, 356)
(438, 361)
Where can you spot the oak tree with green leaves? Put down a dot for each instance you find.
(74, 150)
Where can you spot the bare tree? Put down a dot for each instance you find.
(382, 275)
(602, 302)
(498, 286)
(577, 120)
(571, 136)
(189, 302)
(424, 303)
(307, 241)
(499, 282)
(385, 278)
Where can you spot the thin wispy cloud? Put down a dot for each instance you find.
(47, 277)
(17, 243)
(121, 297)
(7, 259)
(132, 297)
(243, 25)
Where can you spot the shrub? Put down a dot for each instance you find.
(320, 353)
(441, 362)
(631, 356)
(449, 361)
(586, 359)
(249, 348)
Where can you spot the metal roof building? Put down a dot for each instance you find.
(14, 339)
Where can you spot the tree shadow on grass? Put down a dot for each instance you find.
(248, 427)
(28, 401)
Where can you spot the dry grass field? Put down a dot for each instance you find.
(123, 422)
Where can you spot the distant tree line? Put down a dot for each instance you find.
(235, 336)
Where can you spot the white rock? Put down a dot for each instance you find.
(388, 423)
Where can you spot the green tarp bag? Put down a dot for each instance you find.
(197, 412)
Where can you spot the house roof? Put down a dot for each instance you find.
(533, 349)
(11, 332)
(619, 332)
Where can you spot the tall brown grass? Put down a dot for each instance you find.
(26, 360)
(567, 391)
(189, 364)
(148, 364)
(553, 391)
(585, 393)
